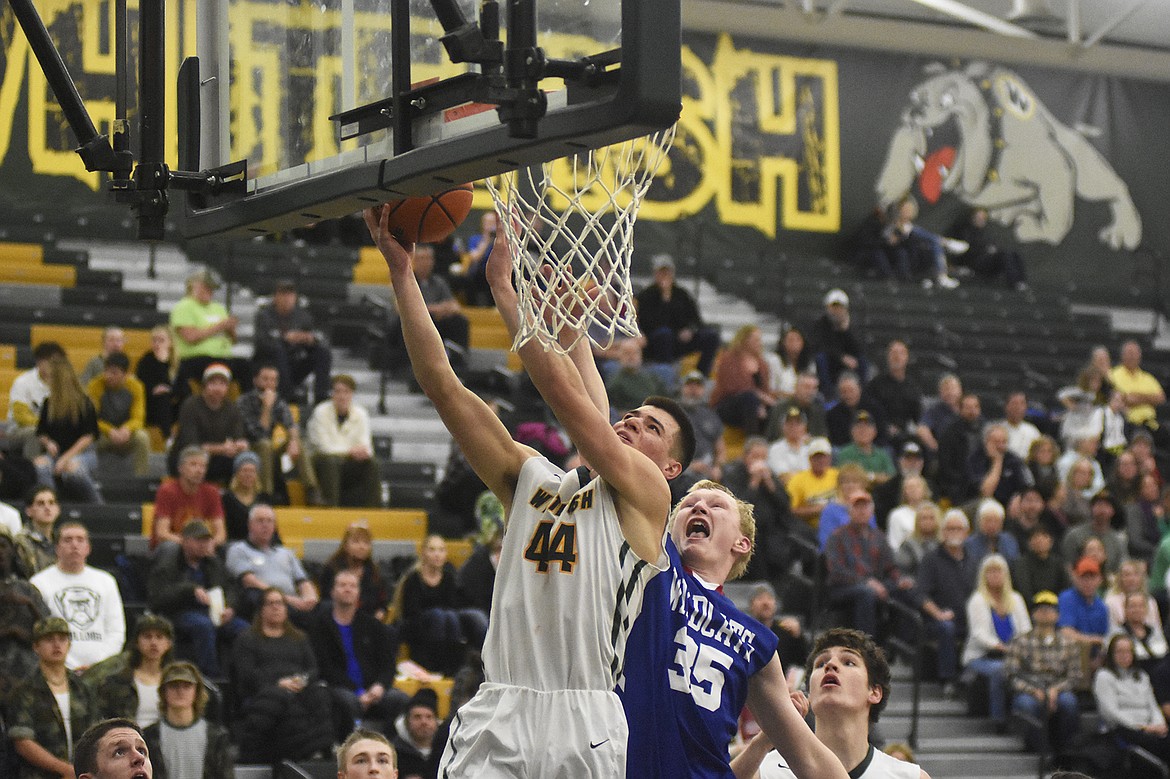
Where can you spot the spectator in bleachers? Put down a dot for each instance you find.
(21, 605)
(477, 576)
(444, 309)
(86, 597)
(996, 614)
(473, 283)
(875, 460)
(876, 251)
(272, 432)
(438, 627)
(286, 712)
(810, 490)
(899, 524)
(670, 319)
(888, 495)
(180, 500)
(793, 646)
(42, 727)
(939, 416)
(354, 555)
(120, 400)
(835, 344)
(795, 360)
(1145, 519)
(955, 445)
(1027, 510)
(923, 539)
(133, 692)
(1021, 433)
(342, 448)
(1043, 668)
(414, 736)
(284, 335)
(191, 586)
(851, 477)
(806, 400)
(1084, 618)
(355, 658)
(1140, 392)
(1142, 446)
(1130, 580)
(945, 580)
(1039, 567)
(994, 470)
(789, 455)
(182, 738)
(156, 370)
(989, 536)
(1102, 509)
(1082, 412)
(36, 544)
(1041, 462)
(1125, 699)
(750, 478)
(1076, 493)
(67, 430)
(203, 333)
(113, 340)
(922, 246)
(26, 396)
(840, 415)
(740, 395)
(1124, 479)
(242, 493)
(861, 570)
(898, 395)
(211, 421)
(1115, 428)
(709, 449)
(259, 566)
(985, 259)
(1144, 629)
(631, 382)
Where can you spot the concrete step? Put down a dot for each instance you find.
(976, 765)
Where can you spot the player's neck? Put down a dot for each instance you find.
(845, 736)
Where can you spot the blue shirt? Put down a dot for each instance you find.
(689, 657)
(833, 516)
(352, 669)
(1091, 617)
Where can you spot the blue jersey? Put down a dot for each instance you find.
(685, 681)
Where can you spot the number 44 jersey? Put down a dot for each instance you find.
(688, 662)
(568, 587)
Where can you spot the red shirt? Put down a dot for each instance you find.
(176, 505)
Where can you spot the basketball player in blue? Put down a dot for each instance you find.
(694, 659)
(578, 550)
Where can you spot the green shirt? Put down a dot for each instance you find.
(189, 312)
(877, 462)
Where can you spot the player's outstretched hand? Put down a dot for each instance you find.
(396, 253)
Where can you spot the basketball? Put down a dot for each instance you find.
(429, 218)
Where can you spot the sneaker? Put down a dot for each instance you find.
(948, 282)
(927, 283)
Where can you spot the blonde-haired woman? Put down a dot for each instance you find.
(67, 430)
(1130, 579)
(156, 370)
(741, 396)
(900, 522)
(996, 614)
(925, 537)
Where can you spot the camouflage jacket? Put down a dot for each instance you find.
(117, 695)
(33, 714)
(218, 760)
(34, 551)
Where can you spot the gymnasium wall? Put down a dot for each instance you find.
(780, 147)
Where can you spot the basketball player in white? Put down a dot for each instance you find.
(848, 684)
(577, 553)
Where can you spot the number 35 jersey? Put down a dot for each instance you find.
(688, 662)
(568, 586)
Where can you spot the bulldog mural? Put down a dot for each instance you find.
(982, 135)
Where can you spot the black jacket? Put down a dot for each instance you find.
(371, 644)
(170, 590)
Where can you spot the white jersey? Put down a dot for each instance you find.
(568, 587)
(90, 602)
(876, 765)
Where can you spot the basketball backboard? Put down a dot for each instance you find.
(304, 91)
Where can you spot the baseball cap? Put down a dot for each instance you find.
(693, 376)
(795, 413)
(206, 277)
(1045, 598)
(181, 671)
(217, 369)
(155, 622)
(50, 626)
(425, 697)
(196, 528)
(862, 417)
(836, 296)
(1087, 565)
(660, 261)
(819, 445)
(911, 449)
(285, 285)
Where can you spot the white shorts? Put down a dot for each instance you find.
(508, 732)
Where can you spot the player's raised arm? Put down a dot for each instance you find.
(773, 709)
(480, 434)
(635, 459)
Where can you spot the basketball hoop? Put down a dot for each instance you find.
(571, 223)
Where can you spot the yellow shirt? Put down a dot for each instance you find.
(807, 489)
(137, 420)
(1141, 382)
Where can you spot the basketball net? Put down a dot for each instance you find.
(571, 225)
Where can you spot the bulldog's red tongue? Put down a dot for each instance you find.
(930, 181)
